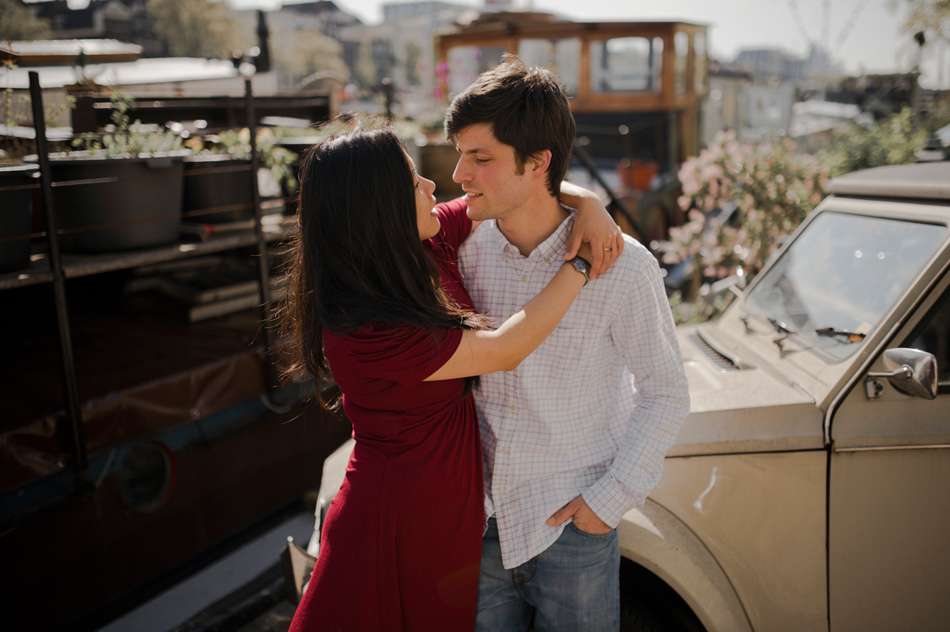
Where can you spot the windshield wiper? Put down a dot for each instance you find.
(841, 335)
(781, 327)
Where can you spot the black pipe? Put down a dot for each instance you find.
(70, 386)
(263, 269)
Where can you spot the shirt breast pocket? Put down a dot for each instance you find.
(549, 372)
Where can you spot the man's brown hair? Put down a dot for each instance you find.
(527, 109)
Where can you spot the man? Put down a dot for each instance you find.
(574, 437)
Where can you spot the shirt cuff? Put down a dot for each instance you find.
(607, 499)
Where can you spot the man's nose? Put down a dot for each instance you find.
(460, 174)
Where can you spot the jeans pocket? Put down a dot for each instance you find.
(588, 534)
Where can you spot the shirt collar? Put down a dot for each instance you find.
(555, 244)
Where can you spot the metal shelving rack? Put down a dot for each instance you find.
(55, 268)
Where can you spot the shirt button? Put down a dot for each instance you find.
(524, 278)
(547, 260)
(512, 408)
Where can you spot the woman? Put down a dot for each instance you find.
(377, 298)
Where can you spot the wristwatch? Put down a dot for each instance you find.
(581, 265)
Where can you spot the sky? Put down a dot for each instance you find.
(863, 35)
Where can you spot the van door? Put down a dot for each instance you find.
(889, 494)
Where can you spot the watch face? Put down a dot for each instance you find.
(583, 268)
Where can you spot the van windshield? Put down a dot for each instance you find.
(840, 276)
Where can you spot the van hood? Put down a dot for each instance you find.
(737, 406)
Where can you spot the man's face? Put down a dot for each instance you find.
(489, 175)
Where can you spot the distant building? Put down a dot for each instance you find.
(290, 32)
(816, 123)
(122, 20)
(330, 18)
(402, 47)
(766, 63)
(755, 110)
(405, 10)
(769, 110)
(773, 63)
(726, 106)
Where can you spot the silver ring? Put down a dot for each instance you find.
(608, 249)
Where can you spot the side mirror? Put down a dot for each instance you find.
(910, 371)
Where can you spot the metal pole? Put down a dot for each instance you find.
(70, 386)
(263, 270)
(584, 157)
(387, 86)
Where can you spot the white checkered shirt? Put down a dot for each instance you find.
(569, 419)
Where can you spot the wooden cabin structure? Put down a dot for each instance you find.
(636, 90)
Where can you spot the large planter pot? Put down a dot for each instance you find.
(15, 208)
(217, 189)
(104, 203)
(637, 174)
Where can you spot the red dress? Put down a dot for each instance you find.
(401, 544)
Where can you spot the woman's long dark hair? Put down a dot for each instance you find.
(358, 258)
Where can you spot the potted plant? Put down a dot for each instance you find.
(217, 188)
(121, 190)
(16, 184)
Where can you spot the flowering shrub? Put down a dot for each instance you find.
(741, 200)
(894, 140)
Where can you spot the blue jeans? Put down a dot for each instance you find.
(572, 586)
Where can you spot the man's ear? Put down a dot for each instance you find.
(539, 162)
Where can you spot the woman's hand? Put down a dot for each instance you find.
(593, 226)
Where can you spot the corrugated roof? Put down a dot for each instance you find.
(73, 46)
(65, 51)
(138, 72)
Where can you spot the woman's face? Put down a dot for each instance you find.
(426, 217)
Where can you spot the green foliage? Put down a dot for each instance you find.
(891, 141)
(15, 110)
(744, 199)
(302, 53)
(17, 23)
(194, 28)
(689, 312)
(366, 71)
(278, 160)
(413, 57)
(125, 138)
(930, 16)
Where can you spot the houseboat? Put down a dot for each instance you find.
(636, 91)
